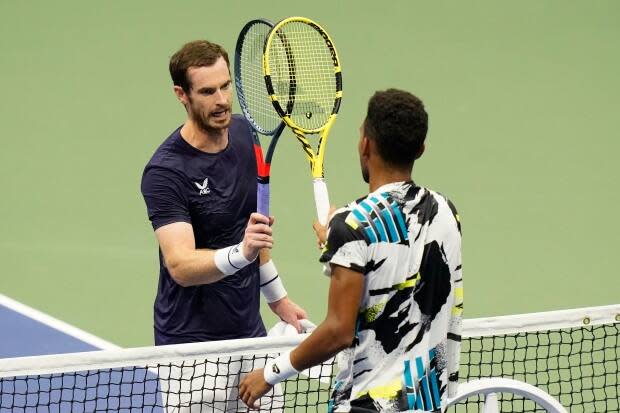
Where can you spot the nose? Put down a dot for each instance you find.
(220, 96)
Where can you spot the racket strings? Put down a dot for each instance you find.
(300, 55)
(255, 98)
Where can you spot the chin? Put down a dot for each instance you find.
(223, 124)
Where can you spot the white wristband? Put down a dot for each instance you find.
(279, 369)
(270, 282)
(229, 260)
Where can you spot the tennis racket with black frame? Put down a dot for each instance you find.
(300, 56)
(255, 103)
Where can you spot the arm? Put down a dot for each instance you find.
(335, 333)
(455, 328)
(288, 311)
(167, 207)
(455, 323)
(275, 294)
(189, 266)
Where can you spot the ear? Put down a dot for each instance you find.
(364, 147)
(421, 151)
(181, 95)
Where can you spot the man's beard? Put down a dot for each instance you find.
(204, 123)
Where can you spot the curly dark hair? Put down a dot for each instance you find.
(397, 122)
(194, 54)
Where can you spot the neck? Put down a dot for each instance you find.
(385, 175)
(210, 141)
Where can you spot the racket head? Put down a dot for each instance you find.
(300, 58)
(251, 89)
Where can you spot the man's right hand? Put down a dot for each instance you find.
(258, 235)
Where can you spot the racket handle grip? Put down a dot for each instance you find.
(321, 199)
(262, 201)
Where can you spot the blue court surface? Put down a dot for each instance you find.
(28, 332)
(24, 336)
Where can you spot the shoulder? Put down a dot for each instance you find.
(346, 242)
(240, 136)
(238, 119)
(167, 154)
(239, 126)
(156, 179)
(344, 216)
(345, 225)
(446, 208)
(165, 168)
(442, 200)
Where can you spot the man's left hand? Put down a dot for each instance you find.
(253, 387)
(289, 312)
(321, 230)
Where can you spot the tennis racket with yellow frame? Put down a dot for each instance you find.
(299, 55)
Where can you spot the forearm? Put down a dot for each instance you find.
(335, 333)
(189, 266)
(271, 285)
(194, 267)
(326, 341)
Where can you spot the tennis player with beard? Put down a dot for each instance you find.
(200, 192)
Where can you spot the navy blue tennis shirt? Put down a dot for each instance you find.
(215, 193)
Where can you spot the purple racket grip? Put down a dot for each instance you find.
(263, 199)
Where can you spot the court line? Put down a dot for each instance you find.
(56, 324)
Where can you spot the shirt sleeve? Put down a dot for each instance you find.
(346, 244)
(165, 199)
(455, 327)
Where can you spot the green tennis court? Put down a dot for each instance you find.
(523, 101)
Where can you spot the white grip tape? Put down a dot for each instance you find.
(279, 369)
(321, 199)
(229, 260)
(270, 282)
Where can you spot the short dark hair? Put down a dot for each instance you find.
(194, 54)
(397, 122)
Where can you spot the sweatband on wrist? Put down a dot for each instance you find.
(279, 369)
(270, 282)
(229, 260)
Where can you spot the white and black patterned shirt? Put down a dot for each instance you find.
(406, 241)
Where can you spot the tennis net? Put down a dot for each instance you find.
(572, 354)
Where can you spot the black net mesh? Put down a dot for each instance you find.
(189, 386)
(578, 366)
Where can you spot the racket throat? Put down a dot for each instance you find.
(309, 154)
